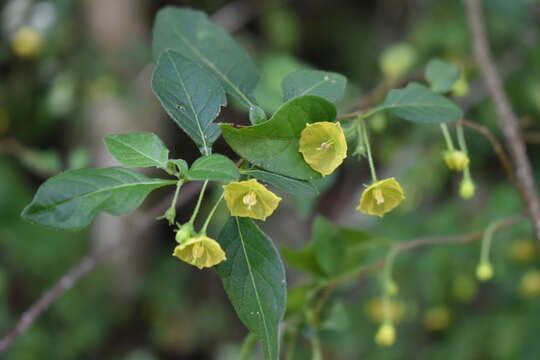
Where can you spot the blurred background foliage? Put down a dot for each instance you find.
(74, 71)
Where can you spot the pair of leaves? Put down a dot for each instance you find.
(147, 149)
(254, 278)
(273, 145)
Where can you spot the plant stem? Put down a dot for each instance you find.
(461, 139)
(368, 148)
(211, 214)
(316, 351)
(199, 201)
(447, 137)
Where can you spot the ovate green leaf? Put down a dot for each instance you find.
(328, 85)
(190, 95)
(254, 279)
(137, 149)
(441, 75)
(71, 199)
(192, 34)
(273, 145)
(293, 186)
(213, 167)
(420, 104)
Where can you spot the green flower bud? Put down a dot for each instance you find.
(456, 159)
(184, 233)
(391, 288)
(466, 188)
(484, 271)
(397, 60)
(386, 335)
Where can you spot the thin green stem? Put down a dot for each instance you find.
(316, 350)
(447, 137)
(211, 214)
(199, 201)
(368, 148)
(246, 351)
(486, 241)
(461, 139)
(176, 192)
(387, 269)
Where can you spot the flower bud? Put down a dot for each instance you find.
(437, 318)
(523, 250)
(323, 146)
(26, 42)
(456, 159)
(200, 251)
(250, 199)
(484, 271)
(381, 197)
(397, 60)
(391, 288)
(184, 233)
(466, 188)
(386, 335)
(530, 283)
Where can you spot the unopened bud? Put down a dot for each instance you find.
(386, 335)
(184, 233)
(466, 188)
(484, 271)
(456, 159)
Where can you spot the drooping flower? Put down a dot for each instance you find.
(323, 146)
(386, 335)
(381, 197)
(456, 159)
(200, 251)
(250, 199)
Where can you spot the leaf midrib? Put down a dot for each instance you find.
(156, 161)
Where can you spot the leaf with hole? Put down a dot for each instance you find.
(213, 167)
(72, 199)
(419, 104)
(192, 97)
(273, 145)
(192, 34)
(137, 149)
(254, 279)
(328, 85)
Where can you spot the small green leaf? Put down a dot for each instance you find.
(213, 167)
(256, 115)
(273, 145)
(137, 149)
(254, 279)
(190, 95)
(328, 85)
(192, 34)
(419, 104)
(441, 75)
(71, 199)
(293, 186)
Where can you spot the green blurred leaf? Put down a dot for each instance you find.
(190, 95)
(293, 186)
(137, 149)
(329, 249)
(420, 104)
(303, 259)
(441, 75)
(191, 33)
(273, 145)
(254, 279)
(72, 199)
(328, 85)
(213, 167)
(43, 162)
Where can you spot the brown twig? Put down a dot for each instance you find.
(497, 147)
(88, 263)
(508, 120)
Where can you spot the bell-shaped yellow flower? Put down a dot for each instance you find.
(381, 197)
(200, 251)
(250, 199)
(386, 335)
(323, 146)
(456, 159)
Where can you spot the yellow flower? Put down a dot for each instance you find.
(26, 42)
(456, 159)
(376, 310)
(381, 197)
(200, 251)
(523, 251)
(437, 318)
(386, 335)
(323, 146)
(250, 199)
(530, 283)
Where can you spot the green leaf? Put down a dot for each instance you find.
(441, 75)
(328, 85)
(72, 199)
(293, 186)
(329, 249)
(137, 149)
(191, 33)
(303, 259)
(254, 279)
(190, 95)
(256, 115)
(213, 167)
(419, 104)
(273, 145)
